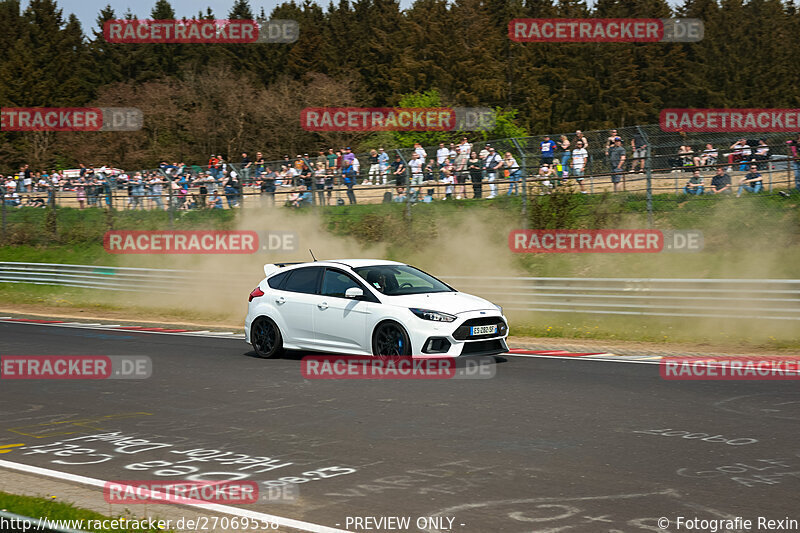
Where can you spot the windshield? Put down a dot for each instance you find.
(395, 280)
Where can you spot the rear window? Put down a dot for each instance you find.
(303, 280)
(276, 280)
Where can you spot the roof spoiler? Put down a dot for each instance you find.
(269, 268)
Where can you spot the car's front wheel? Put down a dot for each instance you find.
(389, 338)
(266, 338)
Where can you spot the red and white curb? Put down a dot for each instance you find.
(586, 356)
(129, 329)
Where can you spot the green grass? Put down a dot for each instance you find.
(662, 330)
(70, 299)
(35, 508)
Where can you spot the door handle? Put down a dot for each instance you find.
(323, 305)
(280, 299)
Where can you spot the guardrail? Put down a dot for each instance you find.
(775, 299)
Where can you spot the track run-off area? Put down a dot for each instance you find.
(551, 443)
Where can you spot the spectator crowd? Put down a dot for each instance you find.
(453, 167)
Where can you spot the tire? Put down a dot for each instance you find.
(390, 339)
(265, 336)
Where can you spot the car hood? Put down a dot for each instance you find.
(446, 302)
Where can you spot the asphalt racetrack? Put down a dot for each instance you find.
(546, 445)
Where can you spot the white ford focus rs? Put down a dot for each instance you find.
(368, 307)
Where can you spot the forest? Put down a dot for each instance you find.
(202, 99)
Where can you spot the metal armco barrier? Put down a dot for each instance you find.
(777, 299)
(773, 299)
(97, 277)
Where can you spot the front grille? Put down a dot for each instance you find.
(492, 347)
(462, 332)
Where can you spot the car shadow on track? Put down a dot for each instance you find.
(297, 355)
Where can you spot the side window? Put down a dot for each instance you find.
(335, 283)
(275, 281)
(303, 280)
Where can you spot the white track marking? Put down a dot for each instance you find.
(225, 509)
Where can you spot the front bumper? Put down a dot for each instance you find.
(453, 339)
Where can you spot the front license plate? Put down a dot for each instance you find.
(482, 330)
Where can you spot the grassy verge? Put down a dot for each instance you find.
(724, 333)
(35, 508)
(72, 301)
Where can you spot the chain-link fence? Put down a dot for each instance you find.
(639, 160)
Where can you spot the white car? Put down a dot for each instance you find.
(368, 307)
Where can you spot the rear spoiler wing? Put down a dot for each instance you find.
(270, 268)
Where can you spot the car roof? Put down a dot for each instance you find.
(273, 268)
(355, 263)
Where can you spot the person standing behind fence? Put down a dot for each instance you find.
(260, 163)
(383, 164)
(157, 190)
(513, 173)
(374, 168)
(420, 151)
(80, 192)
(268, 185)
(415, 164)
(331, 160)
(639, 147)
(231, 188)
(319, 182)
(609, 145)
(136, 185)
(548, 151)
(475, 167)
(492, 164)
(617, 157)
(247, 166)
(580, 137)
(442, 154)
(399, 171)
(564, 144)
(349, 177)
(794, 154)
(92, 188)
(579, 158)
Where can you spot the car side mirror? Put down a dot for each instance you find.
(354, 292)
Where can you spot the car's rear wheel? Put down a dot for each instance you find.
(389, 338)
(266, 338)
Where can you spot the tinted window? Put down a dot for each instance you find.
(394, 280)
(335, 283)
(276, 280)
(303, 280)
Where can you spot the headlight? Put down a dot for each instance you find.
(436, 316)
(499, 308)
